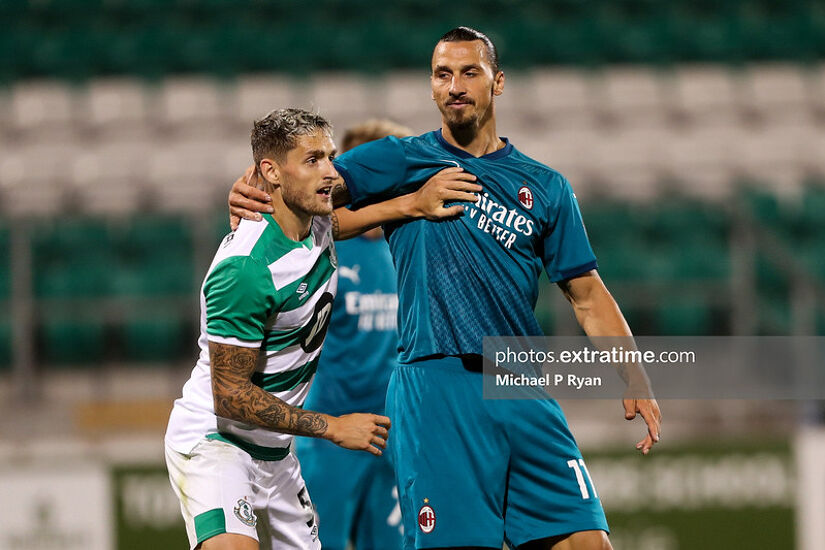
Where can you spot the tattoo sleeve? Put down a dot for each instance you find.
(336, 226)
(237, 398)
(340, 193)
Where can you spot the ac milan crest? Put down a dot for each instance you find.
(525, 197)
(426, 519)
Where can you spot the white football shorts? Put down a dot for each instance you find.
(224, 490)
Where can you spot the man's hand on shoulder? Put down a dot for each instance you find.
(246, 200)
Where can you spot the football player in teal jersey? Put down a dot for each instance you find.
(473, 473)
(356, 499)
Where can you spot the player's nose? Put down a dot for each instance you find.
(330, 172)
(457, 88)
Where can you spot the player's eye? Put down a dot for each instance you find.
(312, 160)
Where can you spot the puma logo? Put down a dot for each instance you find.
(350, 273)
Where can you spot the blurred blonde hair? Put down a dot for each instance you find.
(375, 128)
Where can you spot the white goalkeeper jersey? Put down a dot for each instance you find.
(263, 290)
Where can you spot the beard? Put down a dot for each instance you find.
(462, 126)
(306, 202)
(457, 120)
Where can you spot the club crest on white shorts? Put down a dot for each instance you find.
(243, 511)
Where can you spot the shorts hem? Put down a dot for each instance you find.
(566, 530)
(461, 544)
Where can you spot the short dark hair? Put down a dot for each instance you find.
(276, 134)
(466, 34)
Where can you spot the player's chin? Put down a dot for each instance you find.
(460, 120)
(322, 207)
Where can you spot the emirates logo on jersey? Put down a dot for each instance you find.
(525, 197)
(426, 519)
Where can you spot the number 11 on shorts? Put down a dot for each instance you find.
(578, 466)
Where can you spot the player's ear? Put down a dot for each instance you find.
(271, 173)
(498, 83)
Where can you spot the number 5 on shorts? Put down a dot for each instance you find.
(578, 466)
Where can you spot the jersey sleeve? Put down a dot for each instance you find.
(240, 297)
(567, 250)
(375, 171)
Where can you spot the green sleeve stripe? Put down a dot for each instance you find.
(209, 524)
(285, 381)
(314, 279)
(239, 296)
(258, 452)
(278, 340)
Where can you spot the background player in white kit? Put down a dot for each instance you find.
(265, 307)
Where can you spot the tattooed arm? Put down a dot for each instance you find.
(237, 398)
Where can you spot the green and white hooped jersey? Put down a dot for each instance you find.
(262, 290)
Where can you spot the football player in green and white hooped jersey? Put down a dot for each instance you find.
(265, 306)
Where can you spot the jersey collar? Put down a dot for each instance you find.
(461, 153)
(305, 243)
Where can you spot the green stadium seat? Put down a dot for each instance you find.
(609, 223)
(616, 264)
(684, 317)
(71, 258)
(72, 339)
(812, 208)
(763, 205)
(701, 260)
(770, 279)
(774, 315)
(682, 220)
(5, 264)
(157, 336)
(5, 344)
(153, 38)
(820, 323)
(154, 257)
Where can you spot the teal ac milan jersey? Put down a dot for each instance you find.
(476, 275)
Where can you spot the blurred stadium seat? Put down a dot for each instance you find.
(257, 96)
(118, 107)
(42, 109)
(67, 338)
(634, 96)
(159, 336)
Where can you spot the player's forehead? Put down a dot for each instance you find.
(460, 54)
(318, 140)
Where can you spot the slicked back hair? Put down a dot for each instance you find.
(277, 133)
(467, 34)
